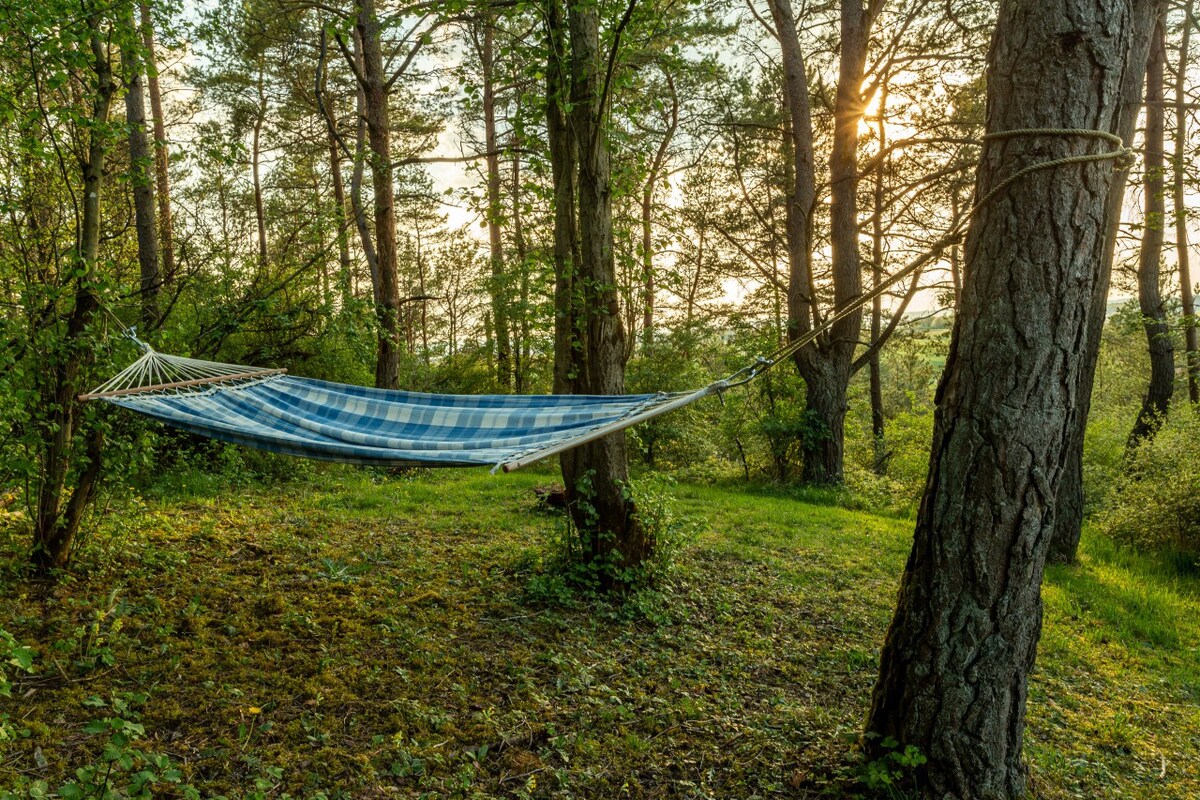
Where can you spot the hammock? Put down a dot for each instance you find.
(270, 410)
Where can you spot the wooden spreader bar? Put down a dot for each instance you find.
(158, 387)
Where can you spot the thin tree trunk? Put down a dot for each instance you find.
(356, 181)
(339, 203)
(825, 365)
(522, 350)
(1154, 316)
(563, 165)
(260, 216)
(878, 431)
(499, 284)
(387, 362)
(801, 179)
(955, 663)
(656, 165)
(166, 224)
(1191, 333)
(142, 182)
(55, 527)
(955, 255)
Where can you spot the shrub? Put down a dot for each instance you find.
(1154, 503)
(571, 570)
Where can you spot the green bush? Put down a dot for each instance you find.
(1154, 502)
(571, 572)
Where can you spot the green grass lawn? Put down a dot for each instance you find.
(355, 635)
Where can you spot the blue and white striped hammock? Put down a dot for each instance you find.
(270, 410)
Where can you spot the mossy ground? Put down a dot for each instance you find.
(361, 635)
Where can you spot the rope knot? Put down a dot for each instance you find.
(1124, 160)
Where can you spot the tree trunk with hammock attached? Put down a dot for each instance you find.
(1157, 399)
(58, 516)
(955, 663)
(589, 346)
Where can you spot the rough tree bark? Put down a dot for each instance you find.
(1191, 333)
(375, 97)
(1069, 505)
(57, 517)
(142, 182)
(589, 336)
(166, 224)
(1157, 399)
(955, 662)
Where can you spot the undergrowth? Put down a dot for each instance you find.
(355, 633)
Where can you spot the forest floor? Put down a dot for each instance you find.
(351, 634)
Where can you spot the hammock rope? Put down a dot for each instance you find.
(270, 410)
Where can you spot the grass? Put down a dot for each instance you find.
(349, 634)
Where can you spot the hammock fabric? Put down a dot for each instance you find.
(269, 410)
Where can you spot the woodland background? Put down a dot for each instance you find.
(367, 193)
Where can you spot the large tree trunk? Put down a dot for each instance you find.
(54, 526)
(1191, 333)
(143, 184)
(166, 225)
(387, 362)
(499, 288)
(1154, 316)
(955, 663)
(590, 356)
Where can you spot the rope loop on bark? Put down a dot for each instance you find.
(1121, 155)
